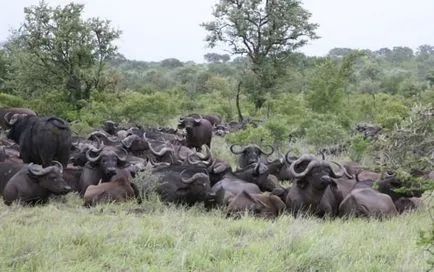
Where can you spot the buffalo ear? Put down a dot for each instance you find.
(181, 125)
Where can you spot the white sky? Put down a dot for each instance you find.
(157, 29)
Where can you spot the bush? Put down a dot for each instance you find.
(250, 135)
(360, 147)
(8, 100)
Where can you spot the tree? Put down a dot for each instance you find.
(171, 63)
(58, 49)
(264, 31)
(216, 58)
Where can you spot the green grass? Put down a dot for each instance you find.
(64, 236)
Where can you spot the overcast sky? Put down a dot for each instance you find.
(154, 30)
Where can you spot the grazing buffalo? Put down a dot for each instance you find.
(315, 191)
(366, 202)
(407, 203)
(260, 205)
(7, 113)
(182, 185)
(120, 188)
(250, 154)
(103, 163)
(34, 184)
(41, 139)
(199, 131)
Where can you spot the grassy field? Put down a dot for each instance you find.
(63, 236)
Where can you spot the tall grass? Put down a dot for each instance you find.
(64, 236)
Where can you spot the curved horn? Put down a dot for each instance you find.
(12, 120)
(163, 151)
(192, 178)
(288, 158)
(58, 164)
(342, 171)
(197, 120)
(306, 157)
(38, 170)
(121, 157)
(236, 152)
(128, 141)
(267, 154)
(97, 151)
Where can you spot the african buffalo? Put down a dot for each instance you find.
(181, 184)
(213, 119)
(103, 163)
(250, 154)
(199, 131)
(407, 203)
(34, 184)
(41, 139)
(315, 191)
(7, 171)
(396, 188)
(260, 205)
(366, 202)
(119, 188)
(7, 113)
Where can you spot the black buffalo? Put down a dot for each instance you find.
(315, 191)
(41, 139)
(182, 185)
(34, 184)
(199, 131)
(103, 163)
(7, 113)
(250, 154)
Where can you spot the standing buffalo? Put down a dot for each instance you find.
(34, 184)
(250, 154)
(213, 119)
(41, 139)
(7, 113)
(199, 131)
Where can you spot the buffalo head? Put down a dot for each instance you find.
(250, 154)
(50, 178)
(108, 158)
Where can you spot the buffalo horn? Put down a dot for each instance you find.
(38, 170)
(288, 158)
(122, 157)
(192, 178)
(197, 120)
(236, 152)
(306, 157)
(58, 164)
(161, 152)
(94, 150)
(13, 119)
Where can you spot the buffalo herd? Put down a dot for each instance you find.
(40, 158)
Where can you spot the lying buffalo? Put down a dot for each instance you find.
(120, 188)
(182, 185)
(7, 113)
(250, 154)
(199, 131)
(34, 184)
(315, 191)
(7, 171)
(260, 205)
(407, 203)
(103, 163)
(366, 202)
(41, 139)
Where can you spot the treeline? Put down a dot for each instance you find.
(60, 64)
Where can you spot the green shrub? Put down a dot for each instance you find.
(360, 147)
(9, 100)
(259, 135)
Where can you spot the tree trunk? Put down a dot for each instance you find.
(237, 101)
